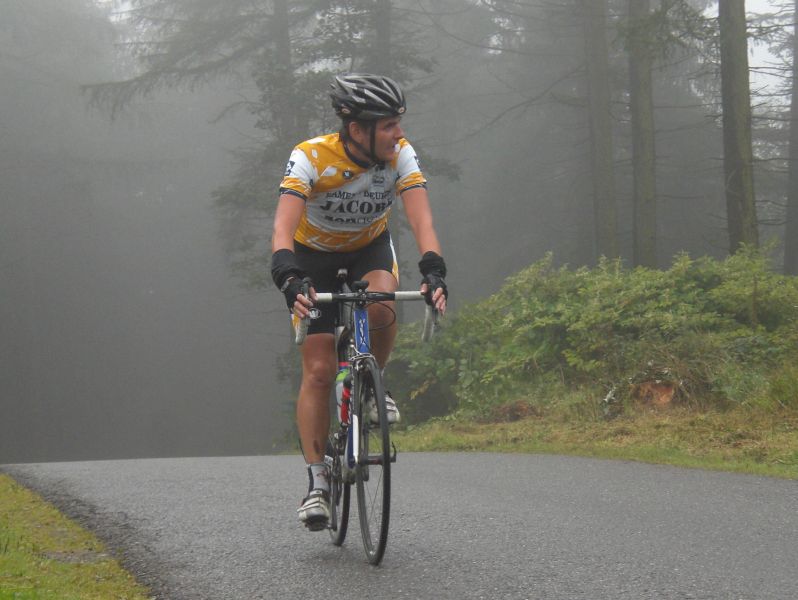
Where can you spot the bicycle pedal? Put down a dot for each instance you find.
(317, 524)
(348, 475)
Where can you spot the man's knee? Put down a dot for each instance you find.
(382, 315)
(318, 373)
(381, 281)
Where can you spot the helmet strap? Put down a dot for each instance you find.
(372, 152)
(369, 152)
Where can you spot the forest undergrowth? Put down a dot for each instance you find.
(694, 365)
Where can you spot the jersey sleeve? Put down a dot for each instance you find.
(408, 170)
(299, 175)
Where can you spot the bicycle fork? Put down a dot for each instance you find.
(348, 447)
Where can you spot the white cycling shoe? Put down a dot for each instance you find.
(391, 410)
(315, 510)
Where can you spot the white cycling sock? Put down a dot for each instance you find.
(319, 476)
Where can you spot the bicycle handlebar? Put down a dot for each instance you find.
(302, 330)
(329, 297)
(431, 315)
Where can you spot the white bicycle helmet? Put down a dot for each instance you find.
(366, 97)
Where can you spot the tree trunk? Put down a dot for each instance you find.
(641, 105)
(382, 59)
(737, 151)
(383, 65)
(791, 229)
(600, 119)
(287, 127)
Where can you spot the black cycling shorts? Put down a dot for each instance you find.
(322, 268)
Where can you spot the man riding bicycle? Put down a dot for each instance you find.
(335, 197)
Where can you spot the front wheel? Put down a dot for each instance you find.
(373, 463)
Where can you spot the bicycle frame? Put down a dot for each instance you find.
(361, 322)
(361, 347)
(353, 321)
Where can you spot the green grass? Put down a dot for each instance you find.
(46, 556)
(742, 440)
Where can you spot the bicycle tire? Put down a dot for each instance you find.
(373, 468)
(340, 494)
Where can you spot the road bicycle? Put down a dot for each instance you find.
(359, 450)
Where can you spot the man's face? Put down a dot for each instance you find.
(387, 135)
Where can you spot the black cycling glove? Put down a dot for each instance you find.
(288, 276)
(294, 286)
(433, 268)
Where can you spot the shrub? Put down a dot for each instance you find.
(783, 390)
(708, 327)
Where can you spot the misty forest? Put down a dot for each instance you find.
(142, 143)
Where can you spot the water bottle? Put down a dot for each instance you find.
(343, 390)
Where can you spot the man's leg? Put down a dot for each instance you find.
(383, 326)
(382, 321)
(312, 407)
(313, 423)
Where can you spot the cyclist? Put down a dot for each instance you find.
(333, 210)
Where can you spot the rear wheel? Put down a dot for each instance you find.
(340, 492)
(373, 468)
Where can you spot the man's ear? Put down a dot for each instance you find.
(355, 129)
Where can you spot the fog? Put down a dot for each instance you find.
(123, 332)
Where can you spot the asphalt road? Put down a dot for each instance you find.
(463, 526)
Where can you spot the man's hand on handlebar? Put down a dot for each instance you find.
(433, 271)
(438, 296)
(299, 295)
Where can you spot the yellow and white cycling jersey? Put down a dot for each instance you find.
(346, 205)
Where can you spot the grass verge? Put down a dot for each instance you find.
(44, 555)
(761, 443)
